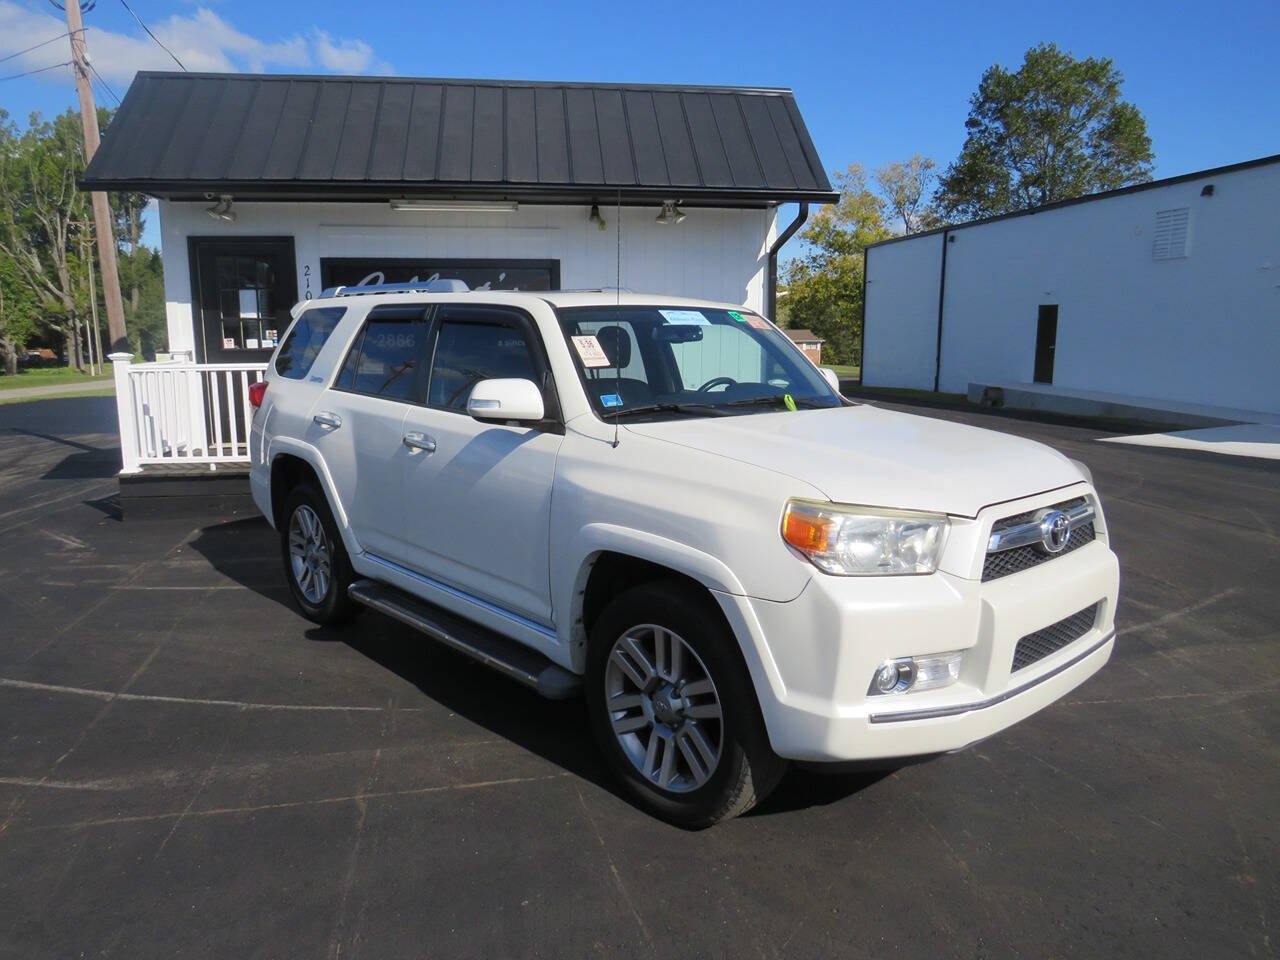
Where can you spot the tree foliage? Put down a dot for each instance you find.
(904, 186)
(1054, 129)
(824, 285)
(47, 244)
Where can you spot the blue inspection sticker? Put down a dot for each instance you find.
(611, 400)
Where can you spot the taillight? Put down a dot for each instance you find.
(256, 392)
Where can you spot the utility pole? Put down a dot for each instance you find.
(101, 209)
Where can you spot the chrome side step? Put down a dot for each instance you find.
(492, 649)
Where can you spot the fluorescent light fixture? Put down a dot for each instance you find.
(456, 206)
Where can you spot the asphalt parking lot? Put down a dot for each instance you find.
(187, 767)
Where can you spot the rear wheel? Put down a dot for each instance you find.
(315, 561)
(672, 706)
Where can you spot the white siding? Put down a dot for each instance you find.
(715, 254)
(898, 346)
(1203, 327)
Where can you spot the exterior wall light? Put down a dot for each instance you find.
(221, 210)
(671, 213)
(594, 217)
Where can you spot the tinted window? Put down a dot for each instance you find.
(384, 361)
(300, 347)
(468, 352)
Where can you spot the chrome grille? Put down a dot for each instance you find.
(1038, 645)
(1004, 562)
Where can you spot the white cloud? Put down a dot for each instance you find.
(347, 56)
(203, 41)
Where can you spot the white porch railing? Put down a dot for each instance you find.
(179, 412)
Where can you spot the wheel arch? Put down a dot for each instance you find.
(612, 556)
(293, 463)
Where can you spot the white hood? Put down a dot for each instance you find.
(875, 457)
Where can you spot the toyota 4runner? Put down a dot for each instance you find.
(664, 504)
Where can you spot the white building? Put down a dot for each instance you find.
(272, 188)
(1167, 290)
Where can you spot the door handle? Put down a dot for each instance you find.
(420, 441)
(330, 420)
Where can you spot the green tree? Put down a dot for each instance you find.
(19, 314)
(47, 247)
(824, 285)
(40, 215)
(1054, 129)
(903, 186)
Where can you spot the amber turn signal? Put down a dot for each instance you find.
(805, 532)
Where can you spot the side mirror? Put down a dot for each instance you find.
(831, 377)
(506, 400)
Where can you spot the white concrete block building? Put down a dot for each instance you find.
(1167, 290)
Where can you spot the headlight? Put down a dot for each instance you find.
(864, 541)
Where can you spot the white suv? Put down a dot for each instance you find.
(665, 504)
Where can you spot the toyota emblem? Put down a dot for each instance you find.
(1055, 531)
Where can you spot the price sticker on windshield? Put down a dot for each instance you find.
(685, 316)
(590, 352)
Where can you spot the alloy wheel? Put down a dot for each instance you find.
(309, 554)
(663, 708)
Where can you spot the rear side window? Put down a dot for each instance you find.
(302, 345)
(386, 359)
(474, 350)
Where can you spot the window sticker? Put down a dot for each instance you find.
(760, 323)
(611, 400)
(735, 315)
(590, 352)
(685, 316)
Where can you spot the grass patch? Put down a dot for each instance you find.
(48, 377)
(109, 390)
(845, 371)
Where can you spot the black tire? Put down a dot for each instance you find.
(333, 606)
(747, 769)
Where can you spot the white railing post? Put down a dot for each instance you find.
(120, 363)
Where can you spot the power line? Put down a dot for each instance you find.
(19, 76)
(105, 86)
(42, 43)
(152, 35)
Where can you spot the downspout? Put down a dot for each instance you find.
(771, 292)
(942, 293)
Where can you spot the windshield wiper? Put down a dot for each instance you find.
(776, 400)
(693, 409)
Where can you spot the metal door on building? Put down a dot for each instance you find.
(242, 291)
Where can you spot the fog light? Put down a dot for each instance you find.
(916, 673)
(893, 676)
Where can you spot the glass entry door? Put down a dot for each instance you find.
(243, 289)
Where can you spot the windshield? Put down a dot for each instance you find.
(662, 362)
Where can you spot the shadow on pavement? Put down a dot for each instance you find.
(554, 730)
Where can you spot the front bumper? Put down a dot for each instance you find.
(812, 658)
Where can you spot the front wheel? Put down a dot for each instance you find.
(315, 561)
(672, 707)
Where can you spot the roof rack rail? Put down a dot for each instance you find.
(592, 290)
(429, 286)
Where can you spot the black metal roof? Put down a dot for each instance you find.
(288, 137)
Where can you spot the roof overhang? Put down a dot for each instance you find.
(275, 137)
(531, 194)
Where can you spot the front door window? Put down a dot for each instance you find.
(244, 289)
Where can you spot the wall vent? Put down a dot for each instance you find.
(1171, 240)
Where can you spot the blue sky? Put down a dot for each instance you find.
(876, 82)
